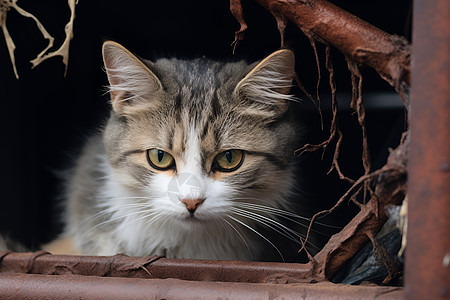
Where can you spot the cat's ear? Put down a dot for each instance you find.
(265, 89)
(131, 82)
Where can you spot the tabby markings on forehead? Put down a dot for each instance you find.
(204, 131)
(170, 138)
(246, 179)
(177, 108)
(123, 156)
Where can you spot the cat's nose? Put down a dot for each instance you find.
(192, 204)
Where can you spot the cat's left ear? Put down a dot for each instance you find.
(132, 84)
(265, 89)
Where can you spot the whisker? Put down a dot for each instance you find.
(152, 219)
(259, 234)
(240, 235)
(136, 209)
(103, 178)
(273, 225)
(118, 217)
(160, 215)
(123, 198)
(111, 210)
(206, 230)
(281, 213)
(153, 216)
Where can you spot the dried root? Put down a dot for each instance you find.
(361, 43)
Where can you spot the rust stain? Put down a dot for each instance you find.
(428, 237)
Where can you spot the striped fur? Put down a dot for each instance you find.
(194, 110)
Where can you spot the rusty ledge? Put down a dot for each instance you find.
(45, 263)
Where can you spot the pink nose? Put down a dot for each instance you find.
(192, 204)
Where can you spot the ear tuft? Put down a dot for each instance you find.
(265, 89)
(131, 81)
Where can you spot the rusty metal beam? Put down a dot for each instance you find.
(154, 267)
(428, 249)
(31, 286)
(44, 276)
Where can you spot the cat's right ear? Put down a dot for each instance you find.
(264, 91)
(131, 82)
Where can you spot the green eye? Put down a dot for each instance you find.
(159, 159)
(229, 160)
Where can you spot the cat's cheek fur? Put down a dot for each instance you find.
(167, 224)
(217, 202)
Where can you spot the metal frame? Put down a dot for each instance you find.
(428, 251)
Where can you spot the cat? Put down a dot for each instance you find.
(197, 160)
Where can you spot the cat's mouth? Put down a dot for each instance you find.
(193, 218)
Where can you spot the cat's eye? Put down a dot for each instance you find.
(160, 160)
(229, 161)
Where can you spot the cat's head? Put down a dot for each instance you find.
(197, 139)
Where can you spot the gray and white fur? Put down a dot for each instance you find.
(193, 111)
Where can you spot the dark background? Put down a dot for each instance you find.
(46, 117)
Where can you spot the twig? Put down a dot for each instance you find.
(5, 6)
(63, 51)
(238, 14)
(357, 104)
(319, 76)
(356, 185)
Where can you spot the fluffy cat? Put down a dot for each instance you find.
(196, 160)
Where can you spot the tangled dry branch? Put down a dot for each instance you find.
(63, 51)
(389, 55)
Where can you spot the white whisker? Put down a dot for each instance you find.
(119, 217)
(275, 226)
(112, 210)
(102, 178)
(259, 234)
(282, 213)
(268, 222)
(135, 207)
(240, 235)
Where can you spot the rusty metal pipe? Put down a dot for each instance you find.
(154, 267)
(31, 286)
(428, 249)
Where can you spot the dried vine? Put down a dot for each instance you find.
(63, 51)
(357, 104)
